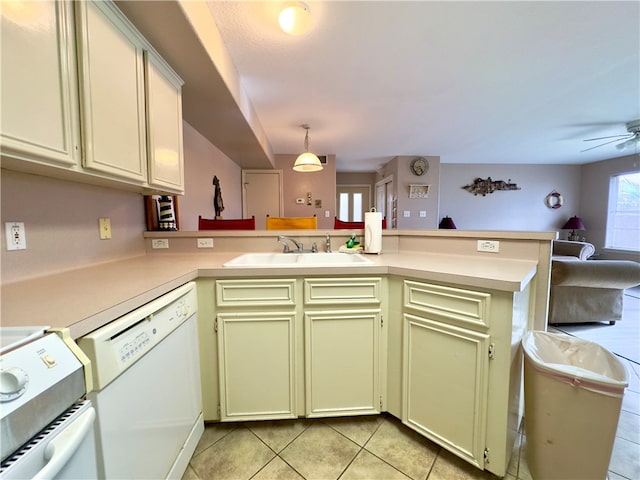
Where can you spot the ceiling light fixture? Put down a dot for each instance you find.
(295, 18)
(307, 161)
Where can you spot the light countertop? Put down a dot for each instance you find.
(87, 298)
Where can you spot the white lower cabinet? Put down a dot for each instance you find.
(342, 351)
(256, 322)
(257, 367)
(447, 359)
(445, 385)
(462, 369)
(282, 358)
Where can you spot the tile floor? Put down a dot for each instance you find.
(370, 448)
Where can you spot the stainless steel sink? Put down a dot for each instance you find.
(320, 259)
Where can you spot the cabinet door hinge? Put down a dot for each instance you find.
(215, 328)
(380, 402)
(219, 410)
(492, 351)
(486, 455)
(381, 321)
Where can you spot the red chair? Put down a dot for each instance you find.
(340, 225)
(231, 224)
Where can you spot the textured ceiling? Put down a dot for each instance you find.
(471, 82)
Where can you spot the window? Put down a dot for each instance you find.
(623, 215)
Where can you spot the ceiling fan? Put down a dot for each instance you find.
(627, 140)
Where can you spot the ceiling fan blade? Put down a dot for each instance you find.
(601, 145)
(604, 138)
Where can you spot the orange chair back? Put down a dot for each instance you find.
(292, 223)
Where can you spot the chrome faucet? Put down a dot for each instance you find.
(282, 239)
(327, 244)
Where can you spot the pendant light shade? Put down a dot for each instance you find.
(307, 161)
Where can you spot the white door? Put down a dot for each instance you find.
(352, 201)
(385, 201)
(262, 195)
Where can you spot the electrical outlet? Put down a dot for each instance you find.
(492, 246)
(407, 214)
(423, 214)
(16, 236)
(105, 228)
(160, 243)
(205, 243)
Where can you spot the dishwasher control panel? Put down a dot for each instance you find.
(116, 346)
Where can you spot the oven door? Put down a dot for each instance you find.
(63, 450)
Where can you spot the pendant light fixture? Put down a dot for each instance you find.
(295, 18)
(307, 161)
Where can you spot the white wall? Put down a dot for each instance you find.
(203, 161)
(522, 209)
(61, 223)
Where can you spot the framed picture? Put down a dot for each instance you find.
(161, 213)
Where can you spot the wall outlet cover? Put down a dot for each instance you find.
(205, 242)
(16, 236)
(160, 243)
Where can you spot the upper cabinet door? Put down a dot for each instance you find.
(39, 103)
(112, 97)
(164, 123)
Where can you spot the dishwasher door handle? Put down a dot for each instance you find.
(62, 447)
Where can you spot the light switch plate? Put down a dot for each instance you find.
(105, 228)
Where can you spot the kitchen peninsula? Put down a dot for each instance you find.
(430, 320)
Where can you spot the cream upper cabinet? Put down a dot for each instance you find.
(164, 122)
(39, 101)
(112, 96)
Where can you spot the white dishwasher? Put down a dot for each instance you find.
(147, 392)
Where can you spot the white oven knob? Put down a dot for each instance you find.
(13, 383)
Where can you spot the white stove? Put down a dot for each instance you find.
(42, 389)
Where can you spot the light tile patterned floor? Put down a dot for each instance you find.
(371, 447)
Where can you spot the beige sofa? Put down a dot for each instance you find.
(585, 290)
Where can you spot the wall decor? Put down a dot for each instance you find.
(553, 200)
(418, 191)
(482, 187)
(152, 209)
(218, 203)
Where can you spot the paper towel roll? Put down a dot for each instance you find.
(373, 232)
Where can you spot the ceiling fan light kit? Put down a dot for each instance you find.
(628, 140)
(307, 161)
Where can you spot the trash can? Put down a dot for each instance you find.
(573, 392)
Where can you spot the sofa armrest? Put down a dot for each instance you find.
(614, 274)
(581, 250)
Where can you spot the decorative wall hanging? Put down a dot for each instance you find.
(418, 191)
(482, 187)
(553, 200)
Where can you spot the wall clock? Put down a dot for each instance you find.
(419, 166)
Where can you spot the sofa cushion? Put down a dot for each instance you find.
(619, 274)
(566, 248)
